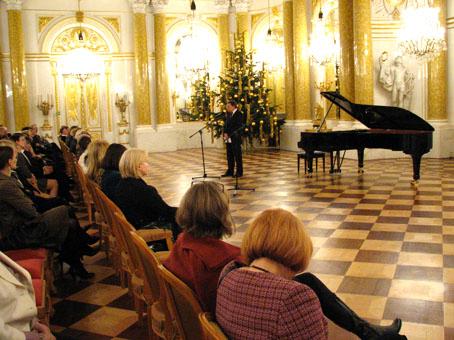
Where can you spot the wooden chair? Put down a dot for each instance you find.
(211, 329)
(88, 200)
(132, 259)
(103, 227)
(183, 306)
(159, 318)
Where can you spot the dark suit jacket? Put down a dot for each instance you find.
(232, 124)
(23, 167)
(141, 203)
(109, 182)
(15, 207)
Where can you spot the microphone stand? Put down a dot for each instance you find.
(237, 185)
(204, 176)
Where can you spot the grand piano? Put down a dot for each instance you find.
(391, 128)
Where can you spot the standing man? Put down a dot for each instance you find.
(232, 138)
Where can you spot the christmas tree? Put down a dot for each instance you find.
(242, 82)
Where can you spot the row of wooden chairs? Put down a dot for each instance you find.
(171, 308)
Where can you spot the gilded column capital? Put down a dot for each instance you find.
(222, 7)
(241, 6)
(159, 6)
(14, 5)
(139, 6)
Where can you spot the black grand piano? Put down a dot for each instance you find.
(390, 128)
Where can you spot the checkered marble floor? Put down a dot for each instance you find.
(385, 247)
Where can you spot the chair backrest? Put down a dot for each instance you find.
(82, 179)
(183, 305)
(109, 209)
(210, 328)
(125, 228)
(91, 189)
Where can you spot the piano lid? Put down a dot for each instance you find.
(379, 117)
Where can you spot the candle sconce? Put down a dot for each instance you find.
(122, 103)
(45, 106)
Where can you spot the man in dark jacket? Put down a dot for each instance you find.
(232, 138)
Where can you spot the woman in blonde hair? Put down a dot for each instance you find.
(140, 202)
(268, 300)
(95, 154)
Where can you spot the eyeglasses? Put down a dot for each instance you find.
(218, 184)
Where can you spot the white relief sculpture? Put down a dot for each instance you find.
(395, 77)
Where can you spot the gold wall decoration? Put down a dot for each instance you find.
(72, 100)
(18, 70)
(53, 68)
(141, 76)
(301, 71)
(108, 74)
(362, 47)
(437, 80)
(255, 18)
(3, 113)
(289, 60)
(68, 40)
(92, 95)
(162, 85)
(43, 21)
(243, 28)
(114, 22)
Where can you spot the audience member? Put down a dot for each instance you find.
(81, 152)
(4, 132)
(111, 172)
(267, 299)
(22, 227)
(140, 202)
(64, 132)
(18, 313)
(95, 154)
(29, 173)
(39, 144)
(199, 254)
(71, 141)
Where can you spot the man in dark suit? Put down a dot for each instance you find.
(232, 138)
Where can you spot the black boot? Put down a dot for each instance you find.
(339, 313)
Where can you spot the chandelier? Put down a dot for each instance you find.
(421, 34)
(323, 47)
(80, 63)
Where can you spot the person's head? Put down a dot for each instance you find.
(81, 132)
(83, 143)
(134, 163)
(33, 130)
(95, 153)
(19, 139)
(3, 132)
(8, 156)
(64, 130)
(204, 211)
(73, 130)
(113, 155)
(280, 236)
(231, 106)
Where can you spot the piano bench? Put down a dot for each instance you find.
(317, 155)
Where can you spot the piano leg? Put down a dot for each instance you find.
(416, 158)
(360, 161)
(310, 161)
(331, 160)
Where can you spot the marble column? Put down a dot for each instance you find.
(3, 113)
(162, 83)
(223, 34)
(289, 59)
(437, 77)
(18, 69)
(301, 62)
(141, 69)
(347, 61)
(362, 47)
(243, 22)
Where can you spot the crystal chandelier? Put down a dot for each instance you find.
(323, 46)
(421, 34)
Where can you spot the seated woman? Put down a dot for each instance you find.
(81, 152)
(267, 299)
(22, 227)
(199, 255)
(18, 314)
(111, 173)
(95, 154)
(140, 202)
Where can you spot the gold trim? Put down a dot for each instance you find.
(255, 18)
(289, 57)
(347, 61)
(223, 34)
(43, 21)
(141, 75)
(243, 28)
(18, 69)
(53, 65)
(114, 22)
